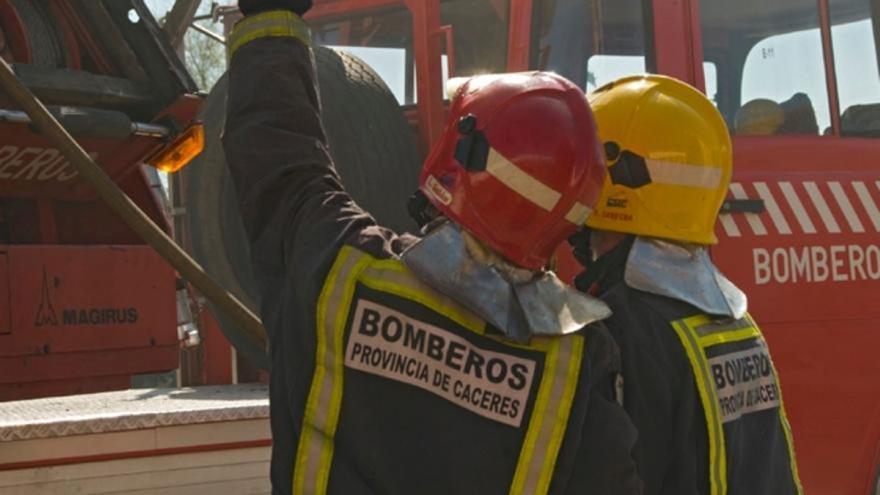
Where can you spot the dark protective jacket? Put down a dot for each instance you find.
(378, 383)
(701, 390)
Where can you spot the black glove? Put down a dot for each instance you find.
(299, 7)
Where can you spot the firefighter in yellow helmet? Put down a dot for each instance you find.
(699, 380)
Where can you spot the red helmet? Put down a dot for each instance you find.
(519, 165)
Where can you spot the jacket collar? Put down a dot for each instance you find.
(684, 272)
(542, 305)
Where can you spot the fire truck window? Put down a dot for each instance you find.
(710, 74)
(479, 33)
(383, 41)
(589, 41)
(480, 30)
(603, 69)
(389, 63)
(444, 74)
(855, 62)
(770, 69)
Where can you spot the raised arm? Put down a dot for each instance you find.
(291, 199)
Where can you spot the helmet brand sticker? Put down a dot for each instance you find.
(745, 382)
(392, 345)
(616, 203)
(613, 215)
(436, 190)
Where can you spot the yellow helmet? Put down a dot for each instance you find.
(759, 117)
(669, 159)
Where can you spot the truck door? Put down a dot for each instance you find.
(797, 82)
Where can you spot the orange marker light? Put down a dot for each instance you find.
(186, 147)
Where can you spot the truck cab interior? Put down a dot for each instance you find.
(764, 63)
(773, 77)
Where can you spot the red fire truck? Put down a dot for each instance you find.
(801, 229)
(85, 304)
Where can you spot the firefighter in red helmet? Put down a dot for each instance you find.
(454, 363)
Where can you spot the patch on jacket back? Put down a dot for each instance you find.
(745, 382)
(393, 345)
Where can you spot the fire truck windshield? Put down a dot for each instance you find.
(591, 42)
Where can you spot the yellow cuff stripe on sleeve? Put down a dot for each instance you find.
(275, 23)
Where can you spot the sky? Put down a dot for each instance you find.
(159, 7)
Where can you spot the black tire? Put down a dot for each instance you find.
(371, 142)
(44, 35)
(373, 148)
(876, 490)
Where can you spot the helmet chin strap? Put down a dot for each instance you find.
(422, 211)
(598, 256)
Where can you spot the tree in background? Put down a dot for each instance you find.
(205, 57)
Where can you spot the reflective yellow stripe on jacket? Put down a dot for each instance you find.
(275, 23)
(698, 333)
(546, 428)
